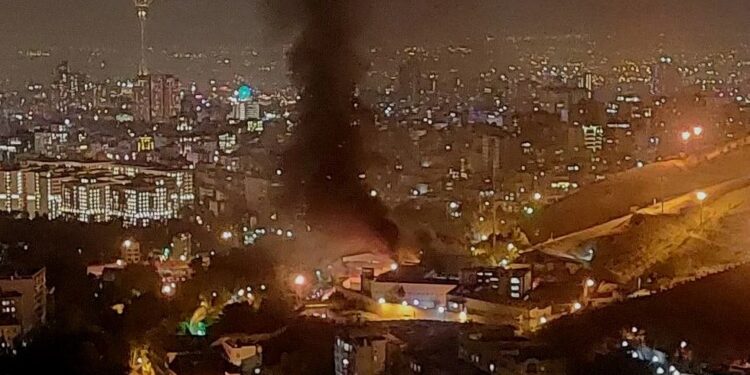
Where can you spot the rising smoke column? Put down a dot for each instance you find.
(326, 156)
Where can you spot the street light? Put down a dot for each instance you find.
(697, 131)
(167, 290)
(701, 196)
(588, 284)
(685, 136)
(299, 280)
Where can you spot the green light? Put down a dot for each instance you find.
(201, 329)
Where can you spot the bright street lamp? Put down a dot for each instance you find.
(701, 196)
(299, 280)
(697, 131)
(167, 290)
(685, 136)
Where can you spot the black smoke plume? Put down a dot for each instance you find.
(326, 158)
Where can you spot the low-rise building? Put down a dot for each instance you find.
(501, 352)
(360, 354)
(130, 251)
(411, 285)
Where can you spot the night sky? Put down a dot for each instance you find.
(204, 23)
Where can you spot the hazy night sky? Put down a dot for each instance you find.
(209, 22)
(629, 27)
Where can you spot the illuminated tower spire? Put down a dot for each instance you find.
(142, 9)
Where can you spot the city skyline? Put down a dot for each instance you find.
(360, 187)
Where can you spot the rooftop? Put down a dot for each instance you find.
(16, 272)
(416, 275)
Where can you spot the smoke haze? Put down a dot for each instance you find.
(324, 165)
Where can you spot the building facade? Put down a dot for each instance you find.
(96, 192)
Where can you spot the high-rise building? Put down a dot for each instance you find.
(246, 110)
(96, 192)
(30, 190)
(148, 199)
(593, 137)
(68, 87)
(586, 82)
(12, 193)
(89, 198)
(156, 97)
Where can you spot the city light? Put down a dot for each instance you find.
(371, 172)
(167, 290)
(299, 280)
(463, 317)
